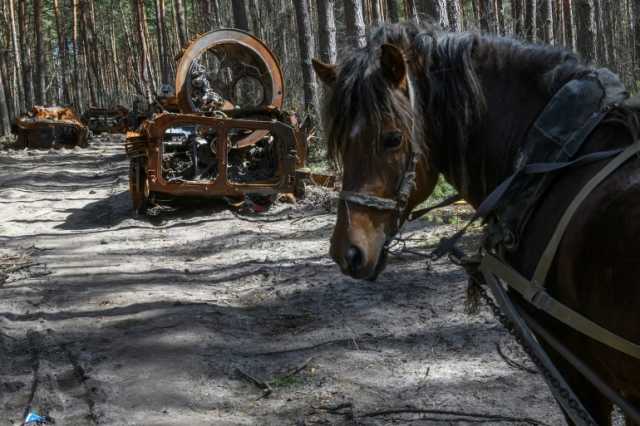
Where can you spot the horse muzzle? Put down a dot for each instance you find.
(358, 260)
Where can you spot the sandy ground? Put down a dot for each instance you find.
(111, 319)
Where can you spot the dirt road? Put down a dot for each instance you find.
(200, 317)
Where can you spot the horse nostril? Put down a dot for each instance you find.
(354, 258)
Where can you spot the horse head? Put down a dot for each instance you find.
(372, 135)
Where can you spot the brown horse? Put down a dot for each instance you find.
(464, 104)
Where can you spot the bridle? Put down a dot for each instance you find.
(398, 204)
(395, 205)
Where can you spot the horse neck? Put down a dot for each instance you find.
(477, 165)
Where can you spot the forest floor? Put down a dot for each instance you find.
(111, 319)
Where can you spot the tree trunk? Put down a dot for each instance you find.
(455, 15)
(586, 29)
(558, 21)
(570, 24)
(612, 15)
(327, 31)
(91, 51)
(151, 73)
(394, 12)
(39, 56)
(240, 19)
(98, 53)
(22, 104)
(90, 76)
(547, 21)
(27, 77)
(162, 43)
(354, 22)
(76, 56)
(137, 11)
(438, 11)
(181, 22)
(411, 12)
(305, 43)
(377, 17)
(531, 20)
(114, 56)
(486, 10)
(62, 48)
(476, 12)
(213, 11)
(517, 18)
(4, 74)
(601, 44)
(500, 18)
(5, 121)
(635, 9)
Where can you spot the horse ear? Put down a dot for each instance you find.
(326, 72)
(392, 64)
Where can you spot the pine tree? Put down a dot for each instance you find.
(354, 22)
(307, 52)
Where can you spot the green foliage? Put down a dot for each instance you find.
(7, 141)
(317, 156)
(442, 190)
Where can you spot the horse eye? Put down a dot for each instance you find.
(392, 139)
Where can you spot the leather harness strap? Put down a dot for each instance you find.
(538, 297)
(369, 200)
(533, 290)
(546, 260)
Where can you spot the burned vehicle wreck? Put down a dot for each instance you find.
(231, 138)
(107, 120)
(50, 127)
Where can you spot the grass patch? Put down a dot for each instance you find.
(286, 381)
(442, 190)
(7, 141)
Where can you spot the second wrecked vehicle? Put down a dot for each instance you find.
(107, 120)
(50, 127)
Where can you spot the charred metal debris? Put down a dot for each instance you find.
(223, 134)
(50, 127)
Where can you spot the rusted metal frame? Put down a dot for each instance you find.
(241, 41)
(228, 37)
(220, 186)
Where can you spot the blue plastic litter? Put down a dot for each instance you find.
(33, 418)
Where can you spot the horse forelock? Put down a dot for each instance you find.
(362, 100)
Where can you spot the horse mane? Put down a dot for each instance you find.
(446, 70)
(362, 98)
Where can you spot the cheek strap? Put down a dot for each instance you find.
(396, 205)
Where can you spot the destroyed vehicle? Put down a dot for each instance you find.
(231, 138)
(50, 127)
(108, 120)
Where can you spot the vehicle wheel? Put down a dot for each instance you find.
(138, 185)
